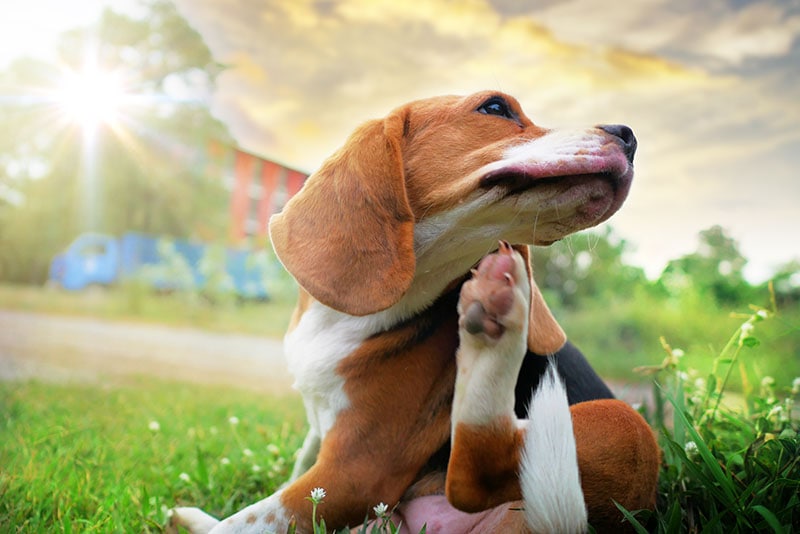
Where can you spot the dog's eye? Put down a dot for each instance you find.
(496, 106)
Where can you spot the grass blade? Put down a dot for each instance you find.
(638, 527)
(708, 458)
(769, 517)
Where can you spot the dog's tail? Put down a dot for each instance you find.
(551, 487)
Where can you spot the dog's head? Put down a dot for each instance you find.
(427, 191)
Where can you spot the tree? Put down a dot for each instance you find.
(585, 266)
(143, 171)
(786, 284)
(716, 269)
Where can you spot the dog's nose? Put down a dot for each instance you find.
(626, 137)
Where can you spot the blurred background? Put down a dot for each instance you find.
(144, 145)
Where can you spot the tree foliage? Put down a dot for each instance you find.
(592, 266)
(716, 268)
(145, 171)
(589, 265)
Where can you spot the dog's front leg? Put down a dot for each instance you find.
(352, 487)
(190, 519)
(197, 521)
(362, 461)
(266, 516)
(307, 455)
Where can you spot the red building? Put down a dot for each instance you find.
(259, 187)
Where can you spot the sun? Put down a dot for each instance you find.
(90, 97)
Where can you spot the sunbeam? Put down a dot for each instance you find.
(91, 96)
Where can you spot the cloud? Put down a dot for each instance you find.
(715, 140)
(758, 30)
(716, 31)
(293, 64)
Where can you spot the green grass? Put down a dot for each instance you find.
(730, 465)
(89, 458)
(84, 458)
(623, 333)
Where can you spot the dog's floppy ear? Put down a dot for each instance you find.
(348, 235)
(545, 335)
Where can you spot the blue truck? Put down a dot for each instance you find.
(94, 259)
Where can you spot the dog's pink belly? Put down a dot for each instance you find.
(440, 517)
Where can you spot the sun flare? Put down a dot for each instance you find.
(91, 97)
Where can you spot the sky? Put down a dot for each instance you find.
(712, 90)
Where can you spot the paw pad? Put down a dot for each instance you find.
(489, 295)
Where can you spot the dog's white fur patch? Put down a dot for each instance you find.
(247, 521)
(582, 151)
(324, 337)
(314, 348)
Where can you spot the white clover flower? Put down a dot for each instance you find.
(185, 477)
(690, 449)
(796, 386)
(786, 414)
(762, 313)
(776, 413)
(256, 468)
(700, 384)
(767, 382)
(225, 461)
(233, 420)
(317, 494)
(247, 452)
(154, 426)
(745, 332)
(788, 408)
(678, 353)
(380, 510)
(273, 449)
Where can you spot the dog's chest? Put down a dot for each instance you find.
(314, 350)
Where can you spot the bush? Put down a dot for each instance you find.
(731, 462)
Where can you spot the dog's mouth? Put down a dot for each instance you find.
(583, 195)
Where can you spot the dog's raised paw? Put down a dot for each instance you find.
(487, 300)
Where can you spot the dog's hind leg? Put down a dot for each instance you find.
(487, 438)
(567, 464)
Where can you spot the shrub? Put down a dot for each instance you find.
(731, 462)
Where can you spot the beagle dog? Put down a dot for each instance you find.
(435, 381)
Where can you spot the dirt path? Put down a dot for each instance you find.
(57, 348)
